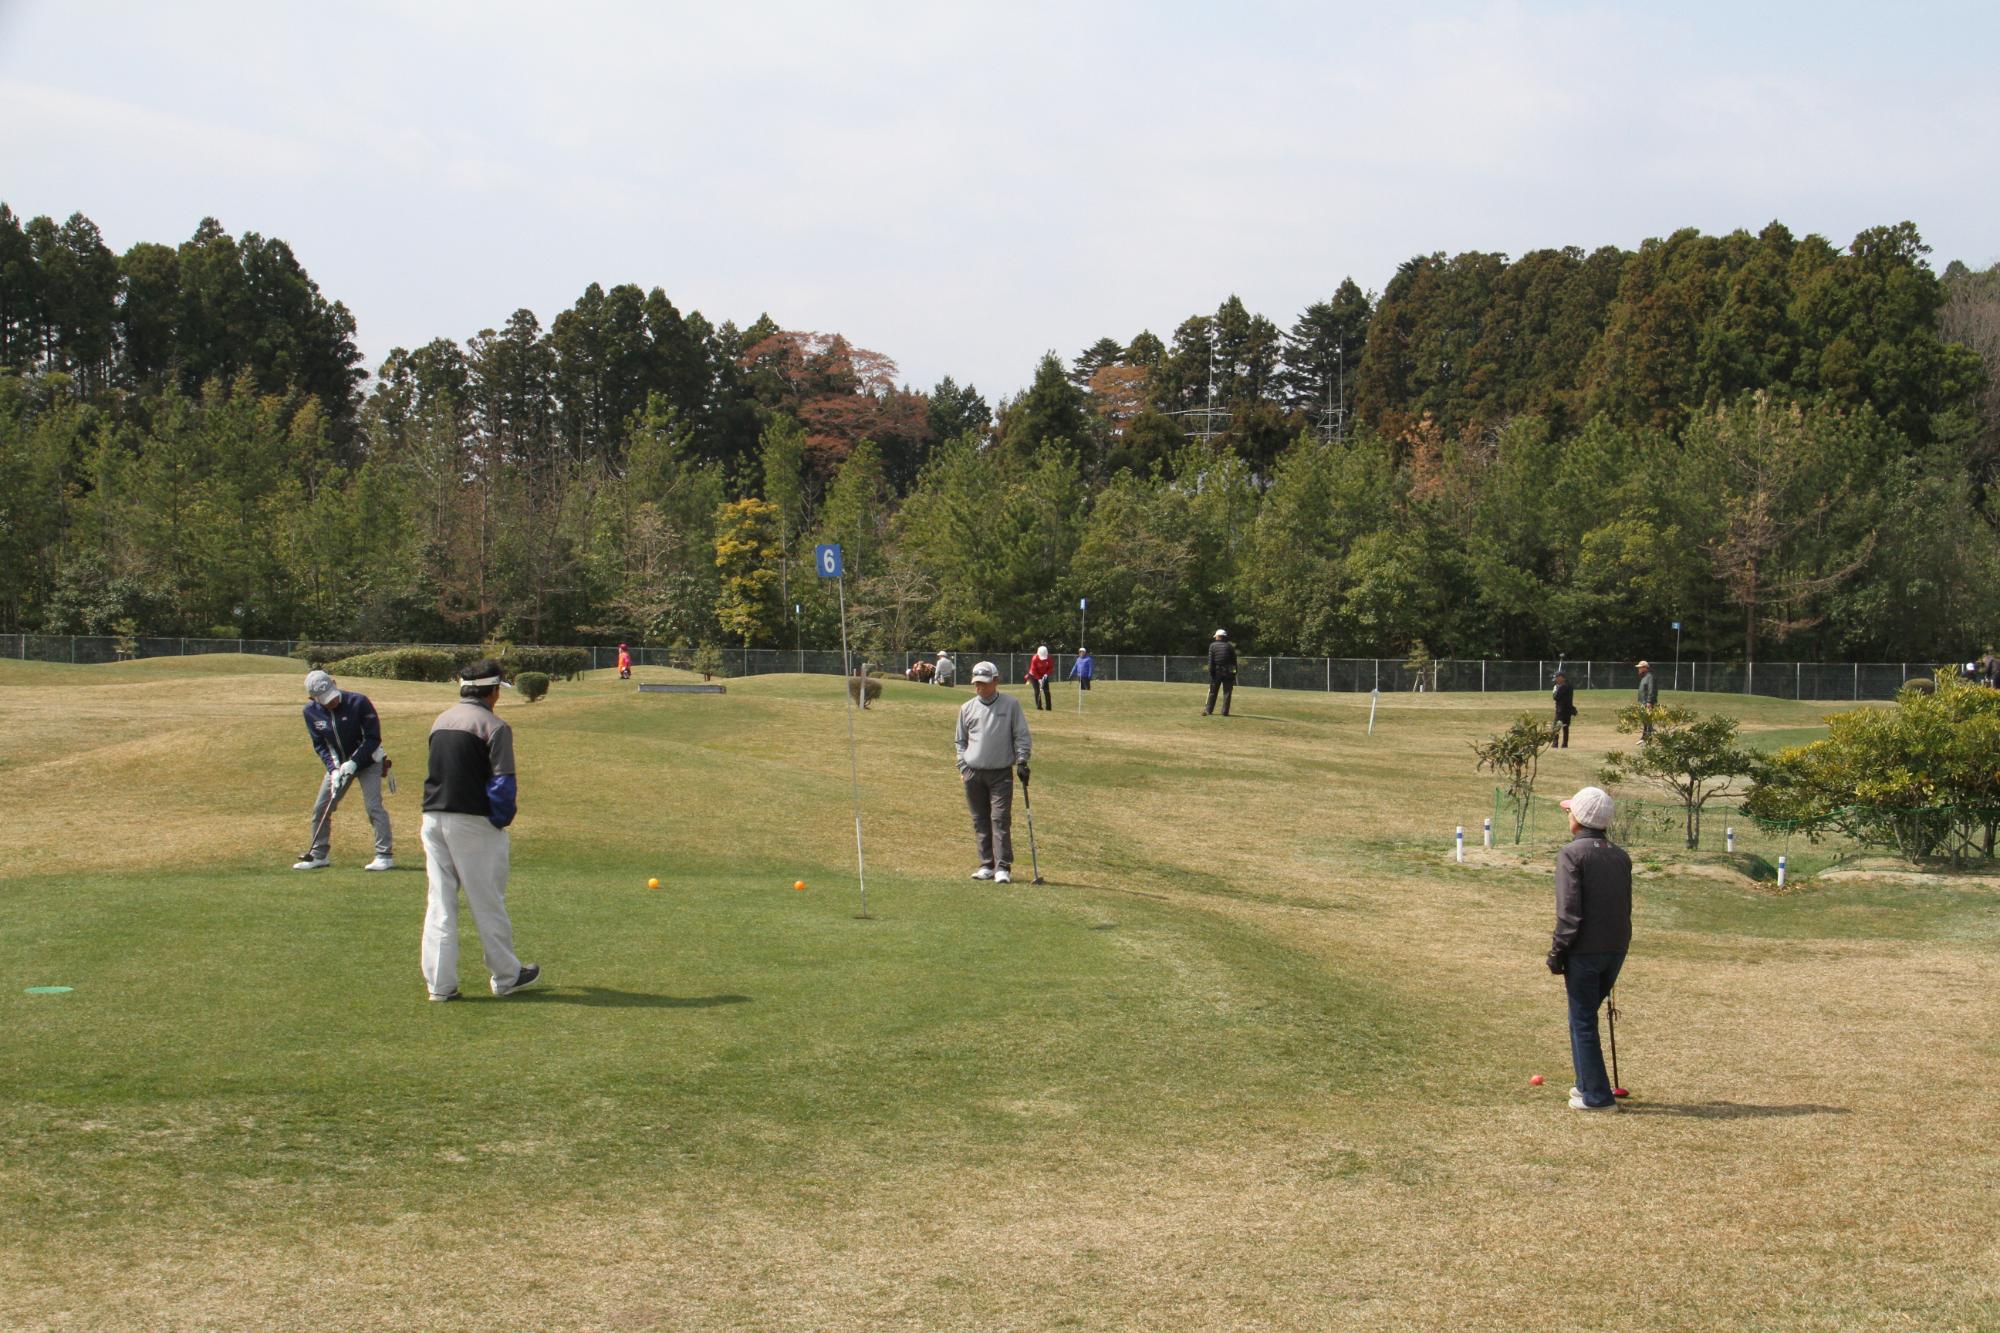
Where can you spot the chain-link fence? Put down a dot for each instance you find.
(1777, 680)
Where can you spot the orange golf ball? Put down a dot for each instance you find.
(1536, 1080)
(799, 884)
(652, 883)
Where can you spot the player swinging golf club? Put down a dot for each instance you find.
(469, 800)
(992, 735)
(347, 735)
(1593, 931)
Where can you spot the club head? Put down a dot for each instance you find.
(1039, 880)
(1620, 1092)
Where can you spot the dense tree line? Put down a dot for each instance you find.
(1787, 446)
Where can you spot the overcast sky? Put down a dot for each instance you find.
(962, 186)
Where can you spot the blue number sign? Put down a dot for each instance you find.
(828, 559)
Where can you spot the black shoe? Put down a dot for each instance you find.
(529, 971)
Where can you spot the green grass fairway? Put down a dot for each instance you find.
(1257, 1056)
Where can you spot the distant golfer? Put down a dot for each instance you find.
(1083, 669)
(1593, 931)
(1565, 698)
(1221, 671)
(1649, 697)
(624, 662)
(992, 734)
(946, 670)
(1040, 668)
(469, 800)
(347, 735)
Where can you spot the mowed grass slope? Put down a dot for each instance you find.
(1257, 1056)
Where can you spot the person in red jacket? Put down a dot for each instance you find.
(1040, 667)
(624, 662)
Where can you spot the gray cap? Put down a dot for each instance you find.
(985, 671)
(320, 686)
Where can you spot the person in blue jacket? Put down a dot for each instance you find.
(1083, 668)
(347, 736)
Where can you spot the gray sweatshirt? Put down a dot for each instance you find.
(992, 734)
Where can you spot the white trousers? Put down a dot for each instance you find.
(466, 852)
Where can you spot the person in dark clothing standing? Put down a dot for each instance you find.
(347, 735)
(1593, 932)
(1565, 698)
(469, 800)
(1221, 671)
(1649, 697)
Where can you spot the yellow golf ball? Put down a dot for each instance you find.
(799, 885)
(652, 883)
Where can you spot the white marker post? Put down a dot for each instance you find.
(1729, 839)
(1461, 844)
(1781, 872)
(1374, 697)
(827, 560)
(1489, 835)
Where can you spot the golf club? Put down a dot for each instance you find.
(1034, 861)
(1611, 1011)
(332, 799)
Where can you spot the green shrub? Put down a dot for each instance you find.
(561, 663)
(707, 659)
(532, 684)
(319, 654)
(439, 665)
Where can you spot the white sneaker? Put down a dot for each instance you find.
(1002, 877)
(982, 873)
(381, 863)
(311, 862)
(1577, 1103)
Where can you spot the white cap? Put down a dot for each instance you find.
(1222, 634)
(1042, 651)
(320, 686)
(985, 671)
(1590, 807)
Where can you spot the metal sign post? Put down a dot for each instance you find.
(1082, 612)
(826, 559)
(1677, 654)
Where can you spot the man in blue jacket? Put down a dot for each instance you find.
(347, 735)
(469, 800)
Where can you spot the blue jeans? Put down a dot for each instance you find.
(1589, 977)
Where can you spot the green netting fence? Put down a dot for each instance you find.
(1955, 832)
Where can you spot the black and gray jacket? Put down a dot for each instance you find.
(1221, 660)
(1593, 896)
(471, 765)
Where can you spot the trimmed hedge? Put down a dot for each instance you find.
(532, 684)
(317, 655)
(561, 663)
(437, 665)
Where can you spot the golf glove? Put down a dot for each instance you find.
(1021, 770)
(347, 770)
(1558, 961)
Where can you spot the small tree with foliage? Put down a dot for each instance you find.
(1694, 757)
(1515, 755)
(1920, 777)
(532, 684)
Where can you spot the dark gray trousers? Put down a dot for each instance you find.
(989, 794)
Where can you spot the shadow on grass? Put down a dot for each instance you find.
(603, 997)
(1730, 1110)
